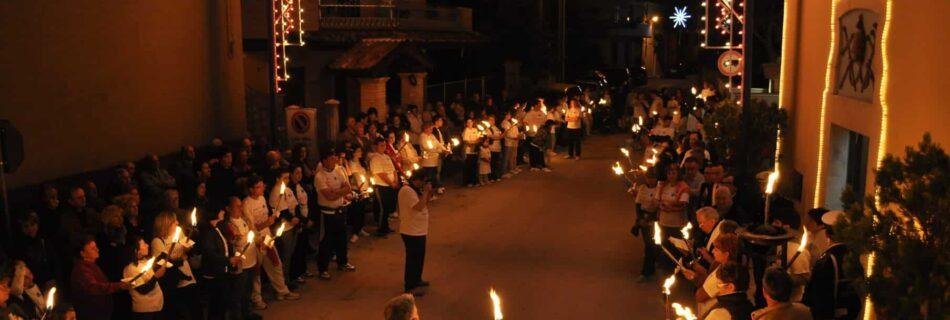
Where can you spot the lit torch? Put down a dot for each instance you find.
(415, 166)
(658, 240)
(769, 188)
(684, 312)
(280, 231)
(250, 240)
(666, 292)
(496, 304)
(618, 170)
(801, 247)
(456, 142)
(50, 301)
(145, 268)
(175, 238)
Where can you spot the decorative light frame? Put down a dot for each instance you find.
(288, 19)
(730, 12)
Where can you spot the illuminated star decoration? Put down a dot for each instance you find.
(679, 17)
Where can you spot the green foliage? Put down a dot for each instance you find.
(724, 129)
(909, 234)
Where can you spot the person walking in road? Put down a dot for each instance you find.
(414, 226)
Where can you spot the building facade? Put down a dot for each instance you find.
(860, 79)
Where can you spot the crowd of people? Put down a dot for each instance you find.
(218, 229)
(722, 268)
(215, 232)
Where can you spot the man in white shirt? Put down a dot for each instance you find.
(512, 137)
(385, 180)
(258, 215)
(333, 195)
(414, 227)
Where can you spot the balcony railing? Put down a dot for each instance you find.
(392, 16)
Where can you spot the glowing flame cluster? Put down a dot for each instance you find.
(668, 283)
(618, 170)
(496, 304)
(684, 312)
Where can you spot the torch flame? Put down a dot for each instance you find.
(692, 90)
(602, 101)
(668, 283)
(250, 236)
(480, 128)
(655, 112)
(514, 121)
(770, 186)
(685, 230)
(640, 120)
(50, 298)
(280, 230)
(801, 246)
(496, 304)
(652, 160)
(148, 265)
(177, 234)
(486, 123)
(618, 170)
(372, 181)
(408, 173)
(583, 109)
(405, 137)
(194, 217)
(283, 187)
(429, 144)
(635, 128)
(369, 190)
(362, 179)
(415, 166)
(657, 238)
(455, 142)
(626, 153)
(684, 312)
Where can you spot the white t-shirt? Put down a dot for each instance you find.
(496, 138)
(469, 139)
(432, 150)
(802, 265)
(673, 193)
(281, 202)
(573, 117)
(412, 222)
(250, 256)
(256, 212)
(512, 134)
(381, 164)
(163, 245)
(332, 180)
(143, 302)
(647, 199)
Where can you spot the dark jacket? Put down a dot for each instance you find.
(215, 251)
(737, 304)
(38, 255)
(823, 294)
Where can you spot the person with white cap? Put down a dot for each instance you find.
(829, 293)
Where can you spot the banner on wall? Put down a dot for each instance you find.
(856, 65)
(302, 127)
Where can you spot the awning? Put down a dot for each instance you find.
(378, 56)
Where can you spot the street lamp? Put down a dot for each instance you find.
(655, 18)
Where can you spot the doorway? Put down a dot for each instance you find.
(847, 165)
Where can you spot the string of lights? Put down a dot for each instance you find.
(288, 20)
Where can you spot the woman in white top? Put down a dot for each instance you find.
(726, 248)
(179, 283)
(288, 209)
(470, 138)
(407, 152)
(146, 292)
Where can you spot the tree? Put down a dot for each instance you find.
(723, 127)
(908, 230)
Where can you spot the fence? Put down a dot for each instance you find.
(466, 87)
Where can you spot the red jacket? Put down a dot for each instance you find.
(92, 291)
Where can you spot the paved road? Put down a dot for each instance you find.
(554, 245)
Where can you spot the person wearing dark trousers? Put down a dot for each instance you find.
(574, 119)
(647, 206)
(218, 264)
(413, 227)
(333, 194)
(384, 180)
(536, 146)
(497, 137)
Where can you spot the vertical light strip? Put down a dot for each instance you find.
(824, 103)
(781, 81)
(882, 140)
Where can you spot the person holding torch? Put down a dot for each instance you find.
(238, 230)
(179, 284)
(414, 227)
(432, 150)
(333, 195)
(147, 297)
(258, 214)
